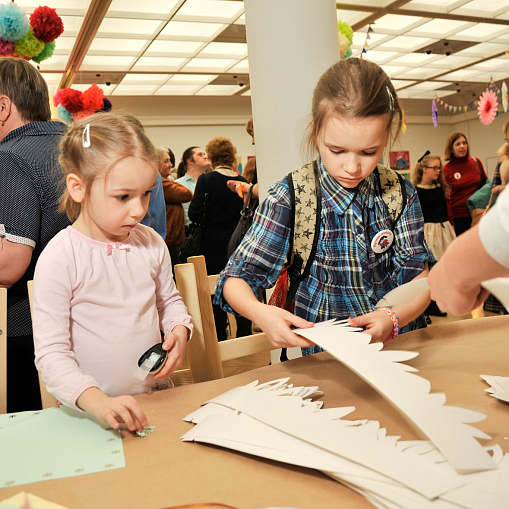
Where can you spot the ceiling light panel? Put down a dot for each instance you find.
(141, 28)
(461, 75)
(482, 8)
(63, 7)
(218, 90)
(442, 6)
(106, 45)
(210, 10)
(55, 63)
(247, 93)
(381, 57)
(493, 64)
(488, 76)
(241, 67)
(452, 62)
(431, 85)
(352, 17)
(483, 50)
(213, 65)
(397, 24)
(154, 64)
(107, 63)
(183, 30)
(134, 89)
(155, 9)
(178, 89)
(393, 70)
(192, 79)
(225, 50)
(186, 49)
(241, 20)
(411, 93)
(415, 59)
(359, 38)
(401, 83)
(64, 45)
(441, 28)
(85, 86)
(145, 79)
(481, 32)
(72, 25)
(420, 73)
(409, 43)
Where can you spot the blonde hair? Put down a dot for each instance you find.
(249, 170)
(162, 153)
(353, 88)
(113, 137)
(419, 168)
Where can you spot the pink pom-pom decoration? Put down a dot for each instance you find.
(6, 48)
(46, 23)
(93, 98)
(72, 100)
(487, 107)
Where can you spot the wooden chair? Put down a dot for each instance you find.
(204, 352)
(48, 400)
(3, 350)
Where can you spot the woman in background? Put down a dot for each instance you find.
(465, 175)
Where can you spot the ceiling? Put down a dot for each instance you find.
(445, 48)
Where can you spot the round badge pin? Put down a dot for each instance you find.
(457, 175)
(382, 241)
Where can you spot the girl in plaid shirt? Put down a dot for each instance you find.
(355, 116)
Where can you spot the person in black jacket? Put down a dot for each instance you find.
(221, 217)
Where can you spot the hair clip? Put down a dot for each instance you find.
(424, 155)
(86, 136)
(391, 98)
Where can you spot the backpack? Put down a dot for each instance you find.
(305, 213)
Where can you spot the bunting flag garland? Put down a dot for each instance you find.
(366, 46)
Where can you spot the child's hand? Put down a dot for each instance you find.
(175, 343)
(378, 325)
(275, 322)
(113, 410)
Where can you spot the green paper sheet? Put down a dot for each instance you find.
(55, 443)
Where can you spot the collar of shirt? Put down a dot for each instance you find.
(35, 129)
(340, 198)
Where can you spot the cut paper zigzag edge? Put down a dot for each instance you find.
(444, 426)
(274, 421)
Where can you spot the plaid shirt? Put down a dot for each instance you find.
(347, 278)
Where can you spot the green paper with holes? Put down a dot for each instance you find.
(55, 443)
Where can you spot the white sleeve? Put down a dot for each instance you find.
(494, 230)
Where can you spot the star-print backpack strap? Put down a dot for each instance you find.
(393, 190)
(306, 200)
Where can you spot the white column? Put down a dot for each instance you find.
(290, 44)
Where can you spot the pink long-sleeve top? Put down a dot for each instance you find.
(98, 307)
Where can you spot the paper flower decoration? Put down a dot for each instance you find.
(434, 113)
(345, 39)
(504, 96)
(72, 104)
(487, 107)
(31, 41)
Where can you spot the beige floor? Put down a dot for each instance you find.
(244, 364)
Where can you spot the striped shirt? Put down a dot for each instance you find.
(347, 278)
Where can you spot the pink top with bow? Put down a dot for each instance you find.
(98, 307)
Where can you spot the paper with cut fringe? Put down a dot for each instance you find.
(300, 432)
(445, 426)
(499, 386)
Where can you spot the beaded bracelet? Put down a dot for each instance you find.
(395, 322)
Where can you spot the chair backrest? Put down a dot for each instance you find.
(204, 351)
(3, 350)
(48, 400)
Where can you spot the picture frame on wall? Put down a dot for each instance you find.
(399, 160)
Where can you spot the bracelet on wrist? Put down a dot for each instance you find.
(395, 322)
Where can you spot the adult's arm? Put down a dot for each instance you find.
(175, 192)
(14, 261)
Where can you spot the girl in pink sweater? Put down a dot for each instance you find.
(103, 288)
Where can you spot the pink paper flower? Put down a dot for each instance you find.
(434, 113)
(487, 107)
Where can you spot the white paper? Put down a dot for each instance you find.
(499, 287)
(404, 293)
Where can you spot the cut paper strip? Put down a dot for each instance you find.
(499, 287)
(445, 426)
(499, 386)
(404, 293)
(241, 432)
(55, 443)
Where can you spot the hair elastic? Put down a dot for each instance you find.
(86, 136)
(391, 98)
(424, 155)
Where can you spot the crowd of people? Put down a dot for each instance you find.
(96, 216)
